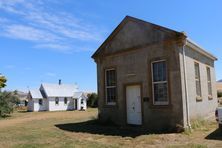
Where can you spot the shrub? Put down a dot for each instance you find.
(92, 100)
(8, 101)
(219, 94)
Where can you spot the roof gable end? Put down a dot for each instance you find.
(134, 32)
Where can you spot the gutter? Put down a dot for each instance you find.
(185, 83)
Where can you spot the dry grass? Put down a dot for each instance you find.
(80, 129)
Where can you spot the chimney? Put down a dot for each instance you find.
(60, 81)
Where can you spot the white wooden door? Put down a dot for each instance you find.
(133, 105)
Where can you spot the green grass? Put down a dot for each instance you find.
(76, 129)
(192, 145)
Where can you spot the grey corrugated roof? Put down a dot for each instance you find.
(79, 94)
(62, 90)
(36, 94)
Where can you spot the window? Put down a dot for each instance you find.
(40, 101)
(197, 80)
(110, 86)
(209, 85)
(159, 83)
(65, 100)
(82, 101)
(57, 101)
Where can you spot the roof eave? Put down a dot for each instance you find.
(201, 50)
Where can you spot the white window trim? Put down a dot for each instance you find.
(108, 103)
(58, 101)
(66, 101)
(197, 79)
(42, 102)
(209, 81)
(160, 82)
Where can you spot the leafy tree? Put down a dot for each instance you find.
(92, 100)
(2, 81)
(8, 100)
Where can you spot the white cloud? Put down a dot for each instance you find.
(27, 68)
(50, 74)
(29, 33)
(46, 27)
(9, 66)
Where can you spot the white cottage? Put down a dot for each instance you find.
(56, 97)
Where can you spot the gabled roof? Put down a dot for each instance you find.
(59, 90)
(123, 22)
(220, 81)
(191, 44)
(79, 94)
(35, 94)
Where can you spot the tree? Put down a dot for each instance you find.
(2, 81)
(219, 94)
(92, 100)
(7, 99)
(7, 102)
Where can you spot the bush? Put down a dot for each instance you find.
(92, 100)
(219, 94)
(8, 101)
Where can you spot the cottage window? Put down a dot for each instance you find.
(159, 83)
(209, 82)
(197, 80)
(40, 101)
(82, 101)
(57, 101)
(65, 100)
(110, 86)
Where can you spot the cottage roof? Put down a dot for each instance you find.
(59, 90)
(190, 43)
(35, 94)
(79, 94)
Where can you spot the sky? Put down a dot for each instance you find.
(47, 40)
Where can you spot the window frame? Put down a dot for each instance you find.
(162, 103)
(198, 97)
(41, 100)
(65, 100)
(56, 101)
(209, 82)
(107, 87)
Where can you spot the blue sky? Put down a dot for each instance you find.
(47, 40)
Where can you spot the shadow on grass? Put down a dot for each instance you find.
(215, 135)
(5, 116)
(22, 111)
(95, 127)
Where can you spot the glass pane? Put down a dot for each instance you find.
(160, 92)
(197, 72)
(198, 89)
(159, 71)
(208, 74)
(209, 88)
(111, 95)
(110, 78)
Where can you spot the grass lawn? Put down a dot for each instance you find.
(80, 129)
